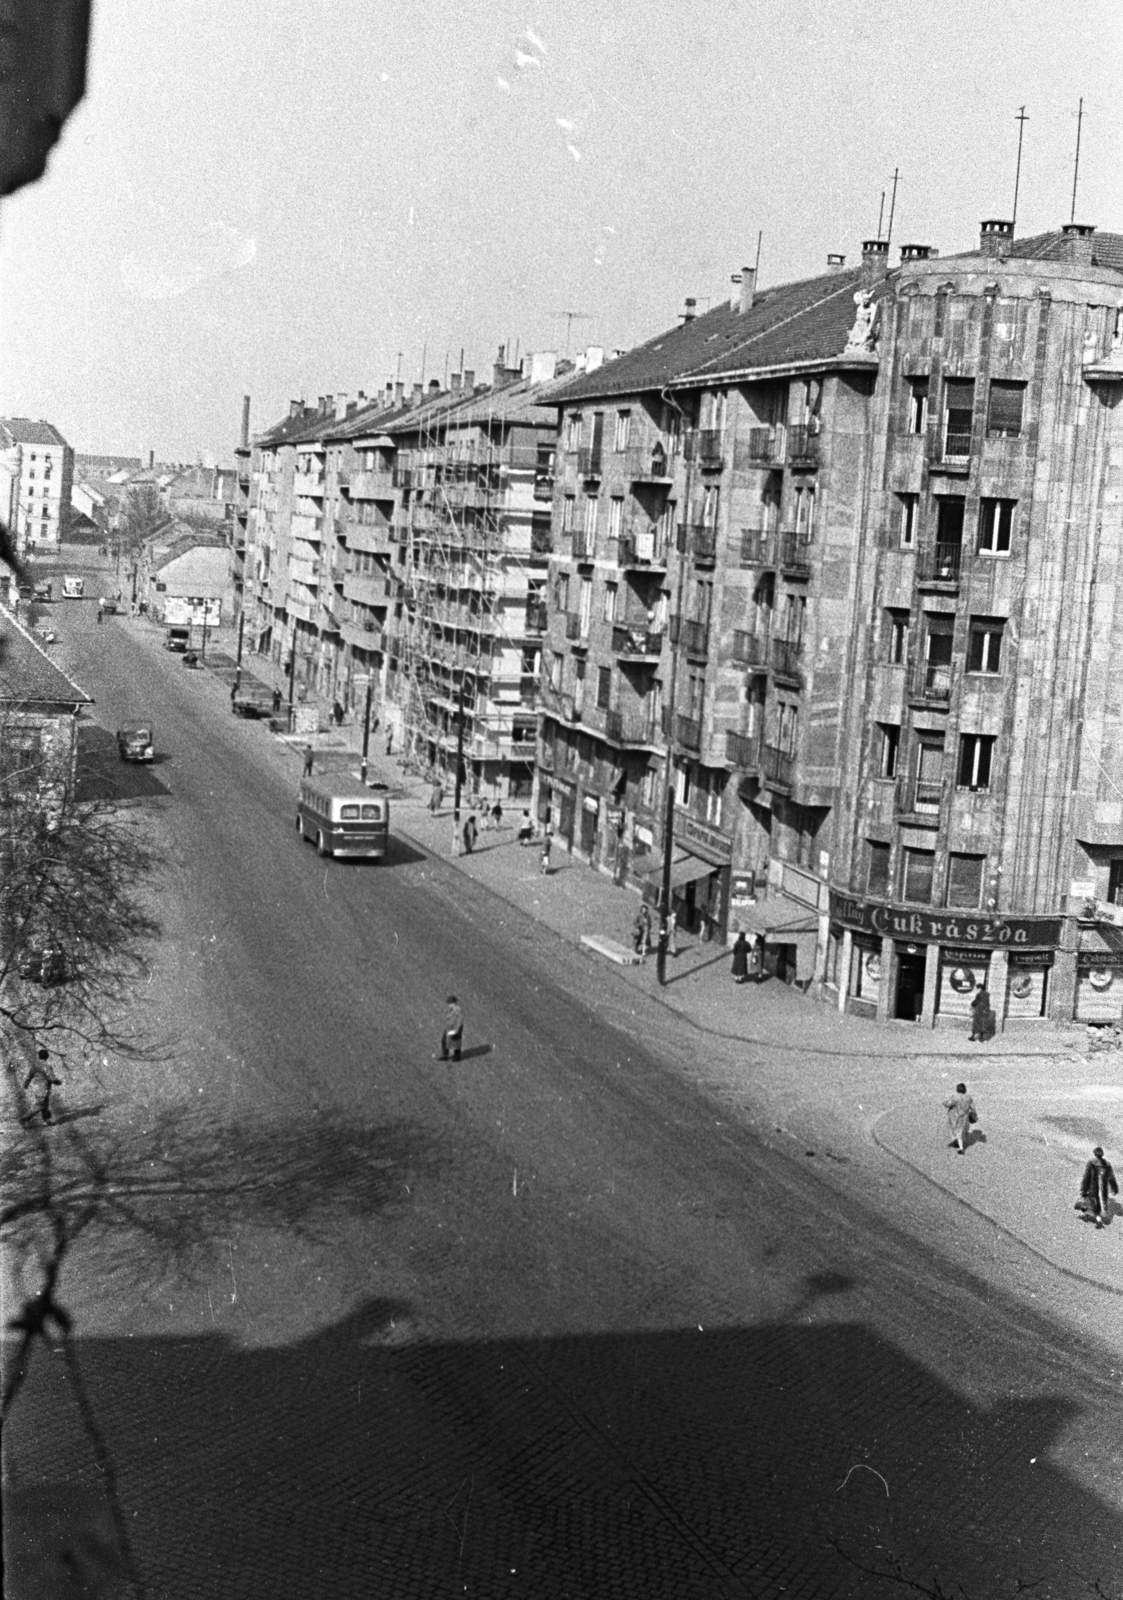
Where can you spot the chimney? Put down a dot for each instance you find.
(434, 387)
(995, 237)
(543, 366)
(836, 262)
(469, 380)
(875, 259)
(915, 252)
(454, 383)
(1080, 242)
(388, 397)
(340, 405)
(245, 422)
(689, 312)
(353, 405)
(594, 357)
(748, 290)
(399, 394)
(418, 393)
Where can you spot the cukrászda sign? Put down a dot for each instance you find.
(904, 922)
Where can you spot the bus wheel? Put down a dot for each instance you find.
(320, 845)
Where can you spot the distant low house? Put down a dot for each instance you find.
(184, 576)
(39, 708)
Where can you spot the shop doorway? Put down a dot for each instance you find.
(910, 986)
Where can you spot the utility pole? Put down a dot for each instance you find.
(292, 677)
(203, 654)
(1021, 119)
(238, 657)
(459, 764)
(366, 728)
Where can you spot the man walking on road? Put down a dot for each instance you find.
(436, 797)
(42, 1073)
(961, 1113)
(453, 1037)
(1097, 1187)
(309, 760)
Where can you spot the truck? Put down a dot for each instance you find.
(73, 588)
(252, 698)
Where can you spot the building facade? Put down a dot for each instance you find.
(36, 475)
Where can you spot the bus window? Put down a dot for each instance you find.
(348, 813)
(372, 813)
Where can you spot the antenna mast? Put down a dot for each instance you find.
(1076, 163)
(881, 214)
(1021, 119)
(892, 205)
(570, 318)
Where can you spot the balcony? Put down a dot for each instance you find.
(368, 588)
(926, 795)
(622, 728)
(544, 485)
(930, 684)
(956, 444)
(589, 461)
(940, 565)
(308, 527)
(757, 547)
(402, 478)
(742, 751)
(700, 540)
(765, 446)
(706, 448)
(750, 649)
(640, 550)
(777, 767)
(785, 655)
(637, 643)
(688, 733)
(367, 485)
(694, 637)
(310, 483)
(574, 628)
(536, 617)
(795, 555)
(650, 464)
(803, 445)
(584, 545)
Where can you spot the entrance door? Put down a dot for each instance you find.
(910, 987)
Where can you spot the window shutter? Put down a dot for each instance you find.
(1006, 401)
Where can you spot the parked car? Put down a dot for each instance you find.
(178, 639)
(135, 744)
(46, 635)
(43, 591)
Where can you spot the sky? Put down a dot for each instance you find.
(288, 198)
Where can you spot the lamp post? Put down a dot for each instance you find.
(366, 728)
(459, 764)
(292, 677)
(238, 656)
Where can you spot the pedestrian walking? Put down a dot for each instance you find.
(497, 816)
(756, 959)
(961, 1114)
(1096, 1189)
(42, 1075)
(233, 693)
(984, 1023)
(276, 702)
(452, 1039)
(547, 846)
(389, 741)
(740, 967)
(526, 828)
(100, 609)
(641, 931)
(672, 932)
(309, 760)
(436, 798)
(470, 831)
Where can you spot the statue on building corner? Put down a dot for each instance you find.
(863, 334)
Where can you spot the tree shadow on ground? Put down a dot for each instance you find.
(102, 775)
(783, 1458)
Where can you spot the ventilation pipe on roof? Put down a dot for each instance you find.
(151, 459)
(995, 237)
(594, 357)
(689, 311)
(418, 394)
(399, 394)
(543, 366)
(434, 386)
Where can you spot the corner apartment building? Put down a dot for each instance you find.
(841, 558)
(36, 477)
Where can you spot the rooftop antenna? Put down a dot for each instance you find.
(892, 204)
(1021, 119)
(1076, 163)
(756, 269)
(424, 358)
(881, 214)
(570, 318)
(398, 373)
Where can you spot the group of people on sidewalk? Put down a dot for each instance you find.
(1097, 1187)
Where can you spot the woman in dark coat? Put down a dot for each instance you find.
(983, 1020)
(740, 969)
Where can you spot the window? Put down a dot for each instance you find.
(889, 736)
(918, 405)
(1004, 419)
(877, 869)
(938, 639)
(785, 727)
(965, 880)
(561, 591)
(620, 438)
(907, 523)
(556, 672)
(897, 634)
(604, 687)
(611, 591)
(959, 415)
(615, 517)
(984, 644)
(569, 512)
(929, 772)
(996, 519)
(919, 865)
(795, 610)
(975, 751)
(586, 605)
(573, 431)
(805, 514)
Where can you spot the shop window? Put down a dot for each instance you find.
(975, 754)
(1004, 418)
(877, 869)
(984, 644)
(889, 737)
(918, 871)
(965, 880)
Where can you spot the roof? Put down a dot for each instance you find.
(792, 322)
(522, 402)
(1107, 249)
(287, 430)
(28, 676)
(182, 545)
(22, 430)
(102, 464)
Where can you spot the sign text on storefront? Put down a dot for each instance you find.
(964, 928)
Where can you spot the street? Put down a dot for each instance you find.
(548, 1322)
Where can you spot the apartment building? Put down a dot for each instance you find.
(837, 560)
(36, 476)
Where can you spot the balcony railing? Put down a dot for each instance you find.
(402, 478)
(573, 627)
(750, 649)
(706, 448)
(931, 684)
(623, 728)
(589, 461)
(651, 463)
(742, 750)
(628, 641)
(694, 637)
(765, 444)
(803, 444)
(777, 766)
(699, 539)
(543, 485)
(940, 564)
(688, 732)
(584, 545)
(757, 547)
(927, 795)
(956, 444)
(536, 617)
(795, 554)
(785, 658)
(640, 550)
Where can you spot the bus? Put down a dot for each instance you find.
(342, 816)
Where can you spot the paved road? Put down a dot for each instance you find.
(549, 1323)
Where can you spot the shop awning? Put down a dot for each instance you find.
(685, 869)
(778, 920)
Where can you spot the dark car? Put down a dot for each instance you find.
(178, 639)
(135, 744)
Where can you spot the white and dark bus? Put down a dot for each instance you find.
(342, 816)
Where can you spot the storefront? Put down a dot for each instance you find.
(899, 963)
(1099, 986)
